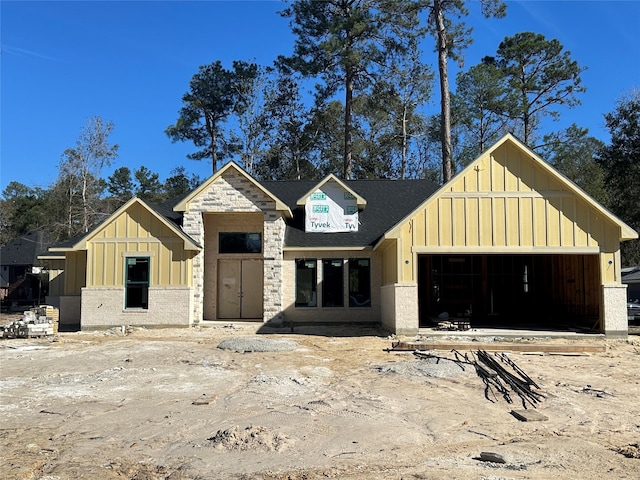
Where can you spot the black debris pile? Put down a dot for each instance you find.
(500, 375)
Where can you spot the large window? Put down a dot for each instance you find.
(137, 283)
(359, 282)
(306, 283)
(240, 242)
(332, 282)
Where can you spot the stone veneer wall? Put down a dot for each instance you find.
(614, 311)
(273, 241)
(234, 193)
(400, 308)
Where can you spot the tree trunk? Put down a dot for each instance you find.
(85, 206)
(445, 109)
(403, 168)
(214, 152)
(348, 124)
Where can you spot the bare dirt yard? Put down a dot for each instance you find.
(317, 403)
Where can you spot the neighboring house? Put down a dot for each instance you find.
(23, 282)
(631, 278)
(4, 285)
(507, 242)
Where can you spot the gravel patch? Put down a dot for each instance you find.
(427, 367)
(257, 344)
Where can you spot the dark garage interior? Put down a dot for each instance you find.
(511, 291)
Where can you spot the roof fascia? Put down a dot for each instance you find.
(280, 205)
(361, 202)
(50, 257)
(626, 232)
(189, 244)
(326, 249)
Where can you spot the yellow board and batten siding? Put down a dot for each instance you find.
(137, 232)
(75, 272)
(508, 202)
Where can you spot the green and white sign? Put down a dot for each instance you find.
(330, 210)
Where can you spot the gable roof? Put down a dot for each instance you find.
(387, 202)
(181, 206)
(626, 232)
(160, 211)
(361, 202)
(631, 275)
(25, 249)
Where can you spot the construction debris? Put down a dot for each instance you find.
(529, 416)
(491, 457)
(498, 378)
(36, 322)
(505, 380)
(564, 348)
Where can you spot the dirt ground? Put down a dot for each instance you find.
(169, 404)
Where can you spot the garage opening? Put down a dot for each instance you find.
(534, 292)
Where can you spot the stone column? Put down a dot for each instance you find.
(614, 311)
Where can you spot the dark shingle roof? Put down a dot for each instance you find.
(165, 209)
(25, 249)
(631, 275)
(388, 202)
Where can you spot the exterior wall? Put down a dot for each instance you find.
(168, 306)
(614, 314)
(507, 203)
(389, 254)
(69, 306)
(56, 277)
(136, 231)
(213, 224)
(233, 193)
(346, 314)
(139, 232)
(400, 308)
(75, 272)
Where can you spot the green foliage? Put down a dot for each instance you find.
(22, 210)
(481, 96)
(327, 154)
(389, 116)
(452, 37)
(344, 43)
(290, 134)
(120, 185)
(215, 93)
(541, 75)
(621, 163)
(179, 183)
(149, 187)
(573, 152)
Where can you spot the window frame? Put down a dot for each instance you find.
(353, 300)
(131, 284)
(238, 251)
(312, 291)
(336, 301)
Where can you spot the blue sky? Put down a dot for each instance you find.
(131, 62)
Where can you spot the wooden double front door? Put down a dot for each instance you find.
(240, 289)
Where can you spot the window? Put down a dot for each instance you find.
(239, 242)
(137, 283)
(306, 283)
(359, 282)
(332, 282)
